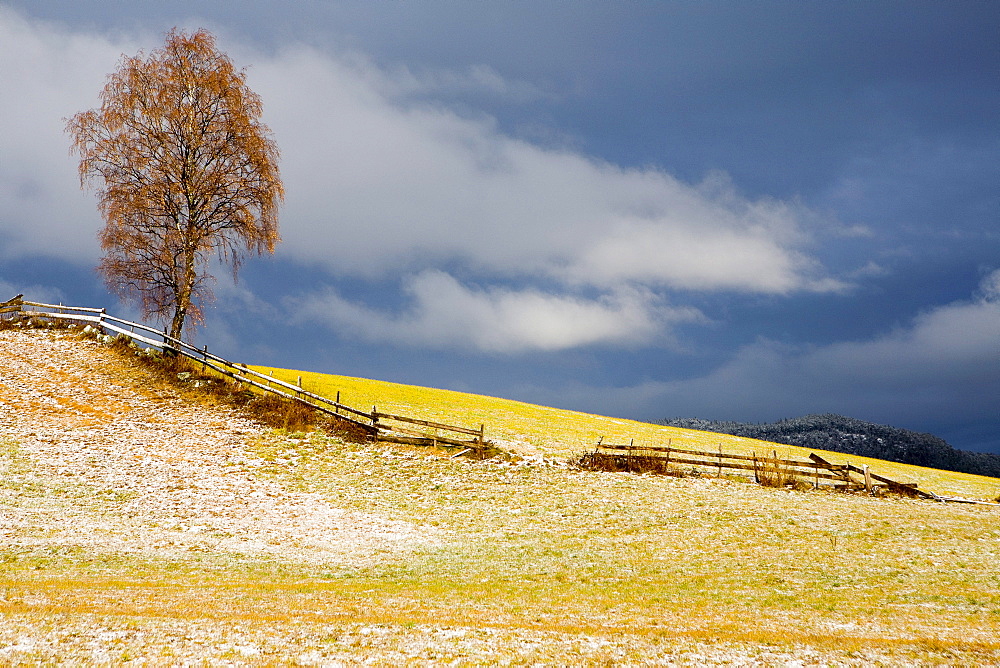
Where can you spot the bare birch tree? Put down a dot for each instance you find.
(184, 171)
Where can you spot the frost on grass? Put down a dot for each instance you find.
(141, 523)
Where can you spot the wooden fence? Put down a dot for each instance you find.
(765, 467)
(381, 426)
(410, 435)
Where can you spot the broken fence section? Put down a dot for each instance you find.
(766, 468)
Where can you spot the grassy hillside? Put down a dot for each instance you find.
(562, 433)
(156, 529)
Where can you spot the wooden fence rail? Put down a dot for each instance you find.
(373, 423)
(381, 418)
(816, 469)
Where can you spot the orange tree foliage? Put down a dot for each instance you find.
(186, 172)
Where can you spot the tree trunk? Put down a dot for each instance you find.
(177, 323)
(185, 290)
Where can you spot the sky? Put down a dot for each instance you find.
(734, 211)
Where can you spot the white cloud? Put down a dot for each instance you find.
(48, 75)
(444, 313)
(989, 288)
(378, 183)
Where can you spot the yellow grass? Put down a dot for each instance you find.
(565, 433)
(546, 562)
(536, 564)
(527, 564)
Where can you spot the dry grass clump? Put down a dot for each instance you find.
(632, 462)
(267, 409)
(20, 322)
(770, 471)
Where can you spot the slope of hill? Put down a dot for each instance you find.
(837, 433)
(551, 432)
(166, 457)
(143, 522)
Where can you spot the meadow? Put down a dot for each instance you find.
(538, 564)
(521, 560)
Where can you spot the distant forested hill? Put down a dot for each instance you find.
(857, 437)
